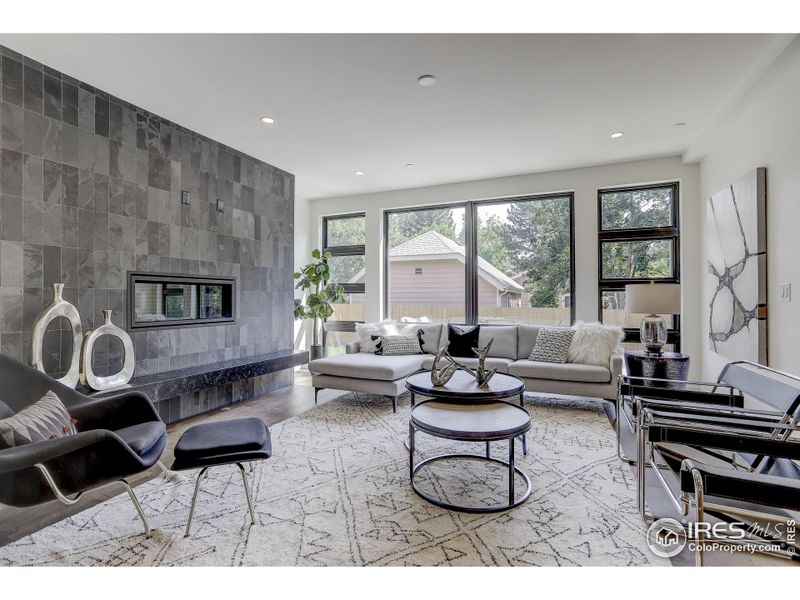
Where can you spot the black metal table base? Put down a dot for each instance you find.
(513, 470)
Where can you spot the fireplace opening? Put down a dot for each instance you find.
(164, 300)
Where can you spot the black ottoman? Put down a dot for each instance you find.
(222, 443)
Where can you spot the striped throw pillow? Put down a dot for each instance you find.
(46, 419)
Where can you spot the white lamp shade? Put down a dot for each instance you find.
(653, 298)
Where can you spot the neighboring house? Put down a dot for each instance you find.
(429, 269)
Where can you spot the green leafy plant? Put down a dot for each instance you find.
(318, 303)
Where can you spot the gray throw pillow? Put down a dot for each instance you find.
(45, 419)
(395, 345)
(552, 344)
(429, 336)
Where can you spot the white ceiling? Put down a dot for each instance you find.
(504, 104)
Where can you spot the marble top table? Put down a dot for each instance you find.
(463, 411)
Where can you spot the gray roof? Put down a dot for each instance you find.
(433, 243)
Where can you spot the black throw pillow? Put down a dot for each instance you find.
(462, 340)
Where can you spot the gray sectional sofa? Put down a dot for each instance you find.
(371, 373)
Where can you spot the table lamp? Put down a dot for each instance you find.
(653, 300)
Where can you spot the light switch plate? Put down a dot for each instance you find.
(186, 197)
(785, 292)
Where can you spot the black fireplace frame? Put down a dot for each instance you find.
(135, 277)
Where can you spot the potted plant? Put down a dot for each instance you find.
(317, 304)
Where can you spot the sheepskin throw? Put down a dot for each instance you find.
(594, 343)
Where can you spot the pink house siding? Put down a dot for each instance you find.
(438, 284)
(487, 293)
(429, 270)
(441, 283)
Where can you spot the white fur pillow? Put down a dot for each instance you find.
(365, 332)
(594, 343)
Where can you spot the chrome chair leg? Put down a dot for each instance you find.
(194, 499)
(54, 487)
(138, 506)
(618, 427)
(76, 498)
(168, 475)
(641, 443)
(247, 494)
(698, 516)
(620, 407)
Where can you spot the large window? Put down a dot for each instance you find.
(503, 261)
(639, 241)
(524, 268)
(426, 264)
(344, 236)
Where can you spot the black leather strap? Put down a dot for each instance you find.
(768, 490)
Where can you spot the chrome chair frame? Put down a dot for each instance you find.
(66, 500)
(694, 507)
(734, 396)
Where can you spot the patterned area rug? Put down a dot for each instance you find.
(336, 492)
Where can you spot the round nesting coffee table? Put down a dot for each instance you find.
(462, 411)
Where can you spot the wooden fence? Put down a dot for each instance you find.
(455, 313)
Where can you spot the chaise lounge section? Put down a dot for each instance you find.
(371, 373)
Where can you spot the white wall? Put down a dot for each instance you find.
(301, 256)
(583, 182)
(762, 129)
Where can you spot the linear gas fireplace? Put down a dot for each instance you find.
(165, 300)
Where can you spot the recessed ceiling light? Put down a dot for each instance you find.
(681, 124)
(617, 134)
(267, 120)
(358, 172)
(426, 80)
(409, 164)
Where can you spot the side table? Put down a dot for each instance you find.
(667, 365)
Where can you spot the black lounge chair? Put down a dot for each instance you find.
(119, 436)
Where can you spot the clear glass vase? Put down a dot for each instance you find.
(653, 333)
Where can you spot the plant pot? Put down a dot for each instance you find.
(316, 351)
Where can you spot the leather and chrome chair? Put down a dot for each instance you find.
(119, 436)
(633, 392)
(735, 465)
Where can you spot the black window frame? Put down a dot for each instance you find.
(671, 233)
(470, 207)
(349, 288)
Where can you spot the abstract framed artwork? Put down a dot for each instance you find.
(737, 269)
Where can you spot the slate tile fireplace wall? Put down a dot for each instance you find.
(90, 188)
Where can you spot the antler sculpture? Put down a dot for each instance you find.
(440, 376)
(482, 376)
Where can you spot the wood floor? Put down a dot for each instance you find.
(273, 408)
